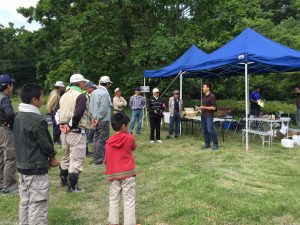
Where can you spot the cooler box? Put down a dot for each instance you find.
(228, 125)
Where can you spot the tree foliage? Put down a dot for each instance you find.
(121, 38)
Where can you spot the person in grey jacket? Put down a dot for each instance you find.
(175, 109)
(100, 109)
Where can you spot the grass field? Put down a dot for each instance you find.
(179, 184)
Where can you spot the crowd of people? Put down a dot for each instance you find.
(81, 113)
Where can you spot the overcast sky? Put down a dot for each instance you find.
(8, 13)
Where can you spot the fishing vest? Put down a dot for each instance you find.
(67, 105)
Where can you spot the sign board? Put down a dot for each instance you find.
(145, 88)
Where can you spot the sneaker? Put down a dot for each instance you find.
(76, 189)
(159, 141)
(10, 192)
(205, 147)
(151, 142)
(96, 164)
(216, 147)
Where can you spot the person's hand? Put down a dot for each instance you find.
(155, 111)
(53, 162)
(94, 122)
(202, 107)
(64, 128)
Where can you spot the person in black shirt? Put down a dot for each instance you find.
(156, 106)
(207, 117)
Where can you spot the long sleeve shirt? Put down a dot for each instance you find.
(156, 106)
(7, 111)
(136, 102)
(119, 103)
(53, 101)
(100, 104)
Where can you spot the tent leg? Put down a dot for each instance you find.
(181, 98)
(246, 105)
(201, 89)
(145, 112)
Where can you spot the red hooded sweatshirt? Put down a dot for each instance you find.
(118, 156)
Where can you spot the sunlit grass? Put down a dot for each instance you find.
(178, 184)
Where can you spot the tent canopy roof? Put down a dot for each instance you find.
(189, 59)
(262, 54)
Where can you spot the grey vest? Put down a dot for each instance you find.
(2, 115)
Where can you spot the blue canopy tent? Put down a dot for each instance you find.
(190, 58)
(249, 52)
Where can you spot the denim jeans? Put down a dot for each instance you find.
(208, 130)
(298, 117)
(137, 114)
(174, 119)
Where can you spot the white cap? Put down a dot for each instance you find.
(75, 78)
(59, 84)
(155, 90)
(105, 80)
(117, 89)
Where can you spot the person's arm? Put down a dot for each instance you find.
(143, 101)
(117, 102)
(8, 110)
(94, 105)
(124, 102)
(44, 140)
(163, 105)
(133, 144)
(170, 101)
(181, 106)
(130, 102)
(252, 98)
(104, 105)
(51, 102)
(149, 106)
(213, 106)
(79, 109)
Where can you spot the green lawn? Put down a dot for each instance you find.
(178, 184)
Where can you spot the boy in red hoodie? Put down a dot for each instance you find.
(120, 170)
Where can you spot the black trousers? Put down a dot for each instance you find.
(155, 126)
(255, 109)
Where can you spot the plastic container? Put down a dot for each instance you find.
(295, 139)
(287, 143)
(228, 125)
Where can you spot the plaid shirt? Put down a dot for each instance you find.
(136, 102)
(5, 106)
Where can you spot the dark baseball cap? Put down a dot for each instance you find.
(5, 79)
(89, 84)
(137, 88)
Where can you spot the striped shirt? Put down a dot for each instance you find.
(136, 102)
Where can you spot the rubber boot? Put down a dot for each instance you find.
(63, 177)
(72, 184)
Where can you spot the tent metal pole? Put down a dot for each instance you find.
(247, 104)
(201, 90)
(145, 112)
(181, 97)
